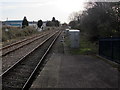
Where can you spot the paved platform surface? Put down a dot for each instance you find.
(76, 71)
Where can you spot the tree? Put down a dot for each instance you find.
(54, 22)
(24, 22)
(49, 23)
(64, 24)
(53, 19)
(39, 24)
(100, 19)
(73, 24)
(57, 23)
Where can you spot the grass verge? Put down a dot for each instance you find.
(89, 48)
(13, 34)
(86, 47)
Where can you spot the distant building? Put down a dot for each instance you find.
(33, 24)
(18, 23)
(14, 23)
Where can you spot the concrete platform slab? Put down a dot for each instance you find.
(75, 71)
(78, 71)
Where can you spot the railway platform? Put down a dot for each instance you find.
(75, 71)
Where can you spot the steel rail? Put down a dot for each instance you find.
(12, 50)
(18, 42)
(20, 60)
(5, 47)
(26, 85)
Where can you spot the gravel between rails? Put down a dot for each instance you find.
(13, 57)
(18, 76)
(15, 45)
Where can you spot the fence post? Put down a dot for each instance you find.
(112, 49)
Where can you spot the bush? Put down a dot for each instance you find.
(4, 36)
(15, 32)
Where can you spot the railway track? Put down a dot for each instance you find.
(12, 47)
(19, 75)
(12, 57)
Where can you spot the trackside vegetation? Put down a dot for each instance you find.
(86, 47)
(16, 33)
(98, 20)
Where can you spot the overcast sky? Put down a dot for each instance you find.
(39, 9)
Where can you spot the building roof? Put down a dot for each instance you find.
(14, 21)
(74, 30)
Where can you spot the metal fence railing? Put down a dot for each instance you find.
(110, 48)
